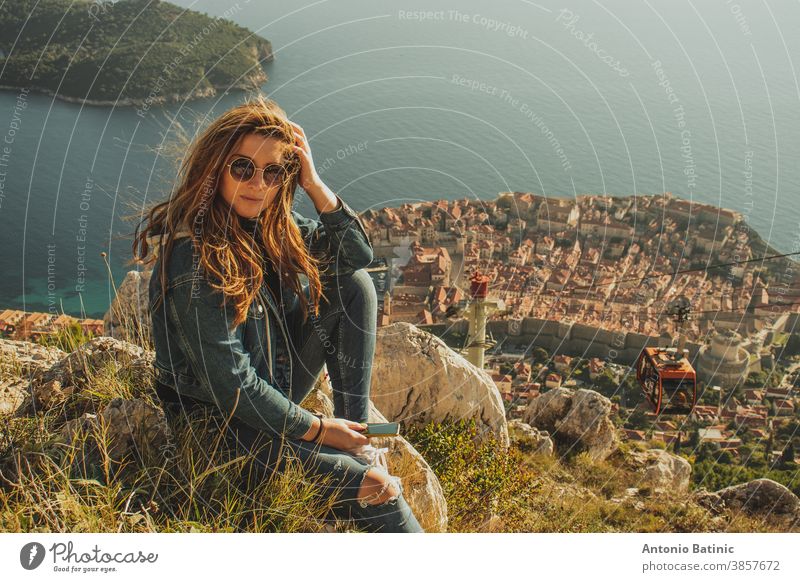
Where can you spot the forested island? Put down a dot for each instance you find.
(132, 52)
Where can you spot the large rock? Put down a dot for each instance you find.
(418, 379)
(77, 368)
(76, 371)
(421, 487)
(22, 361)
(662, 471)
(126, 426)
(128, 318)
(760, 497)
(21, 358)
(578, 420)
(530, 439)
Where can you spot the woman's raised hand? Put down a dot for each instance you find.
(308, 177)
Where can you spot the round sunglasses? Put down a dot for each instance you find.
(242, 169)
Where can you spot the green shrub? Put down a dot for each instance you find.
(479, 478)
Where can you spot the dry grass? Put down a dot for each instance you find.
(196, 481)
(49, 486)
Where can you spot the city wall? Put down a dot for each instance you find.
(573, 339)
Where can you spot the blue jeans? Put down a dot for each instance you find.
(343, 337)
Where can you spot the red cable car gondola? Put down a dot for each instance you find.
(668, 380)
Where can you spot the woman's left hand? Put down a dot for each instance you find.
(308, 178)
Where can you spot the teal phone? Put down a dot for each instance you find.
(382, 429)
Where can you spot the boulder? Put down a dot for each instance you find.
(418, 379)
(75, 370)
(128, 427)
(662, 471)
(421, 487)
(23, 359)
(578, 420)
(529, 439)
(134, 425)
(128, 318)
(760, 497)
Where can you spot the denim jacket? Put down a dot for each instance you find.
(197, 354)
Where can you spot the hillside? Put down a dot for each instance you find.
(132, 52)
(87, 448)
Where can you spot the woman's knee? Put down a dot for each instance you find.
(358, 286)
(377, 487)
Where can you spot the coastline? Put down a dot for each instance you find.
(757, 243)
(135, 102)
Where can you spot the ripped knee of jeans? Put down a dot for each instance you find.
(390, 481)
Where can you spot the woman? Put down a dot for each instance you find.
(235, 328)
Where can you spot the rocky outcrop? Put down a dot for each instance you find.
(51, 393)
(418, 379)
(133, 426)
(661, 471)
(578, 420)
(760, 497)
(27, 358)
(529, 439)
(74, 372)
(124, 426)
(22, 361)
(76, 369)
(128, 318)
(421, 487)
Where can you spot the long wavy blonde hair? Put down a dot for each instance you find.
(231, 257)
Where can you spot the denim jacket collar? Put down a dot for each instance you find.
(248, 224)
(154, 240)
